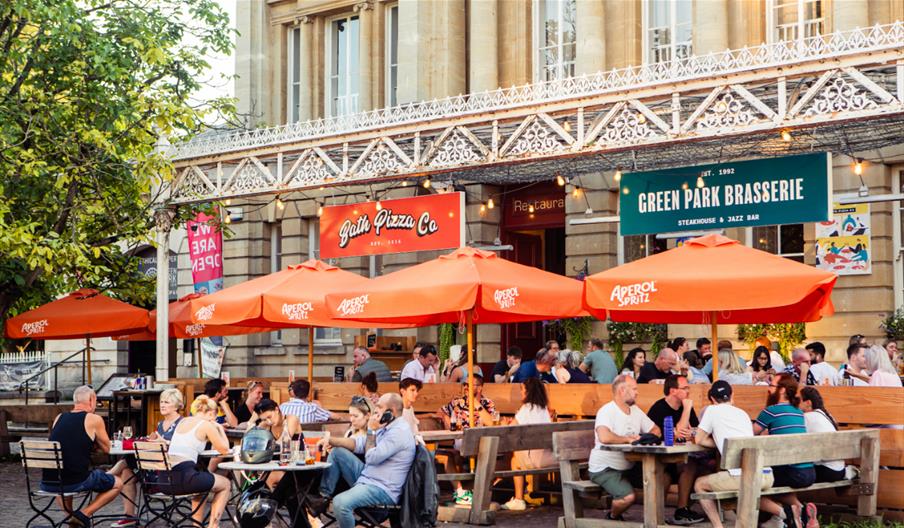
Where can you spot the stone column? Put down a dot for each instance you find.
(623, 33)
(163, 219)
(591, 40)
(305, 68)
(483, 63)
(710, 23)
(365, 12)
(849, 14)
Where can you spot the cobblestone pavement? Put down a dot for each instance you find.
(15, 511)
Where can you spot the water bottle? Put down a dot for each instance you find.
(668, 435)
(285, 446)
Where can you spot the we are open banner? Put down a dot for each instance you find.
(422, 223)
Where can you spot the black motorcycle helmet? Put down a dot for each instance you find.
(256, 507)
(258, 446)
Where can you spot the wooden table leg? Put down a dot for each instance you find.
(653, 491)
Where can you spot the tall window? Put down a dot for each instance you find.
(642, 246)
(342, 60)
(294, 56)
(392, 55)
(275, 265)
(794, 19)
(556, 39)
(785, 240)
(667, 30)
(321, 335)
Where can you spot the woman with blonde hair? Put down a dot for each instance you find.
(731, 370)
(171, 402)
(882, 372)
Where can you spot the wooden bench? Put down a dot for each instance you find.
(750, 455)
(572, 450)
(487, 443)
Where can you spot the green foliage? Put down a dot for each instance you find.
(635, 333)
(577, 330)
(446, 340)
(788, 335)
(893, 325)
(88, 91)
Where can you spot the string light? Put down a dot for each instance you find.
(280, 204)
(858, 166)
(319, 209)
(483, 209)
(617, 175)
(530, 208)
(228, 219)
(228, 202)
(404, 183)
(566, 126)
(451, 214)
(700, 183)
(491, 204)
(576, 192)
(685, 186)
(641, 119)
(560, 181)
(625, 190)
(426, 183)
(379, 206)
(786, 136)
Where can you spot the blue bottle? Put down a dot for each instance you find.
(668, 435)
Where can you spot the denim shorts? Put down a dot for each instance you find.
(98, 480)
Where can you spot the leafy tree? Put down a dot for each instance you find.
(89, 91)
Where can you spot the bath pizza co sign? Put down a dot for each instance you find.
(786, 190)
(422, 223)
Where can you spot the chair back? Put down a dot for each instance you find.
(152, 456)
(42, 454)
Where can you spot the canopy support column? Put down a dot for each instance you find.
(470, 325)
(163, 218)
(88, 358)
(311, 358)
(714, 328)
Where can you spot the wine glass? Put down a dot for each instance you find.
(127, 432)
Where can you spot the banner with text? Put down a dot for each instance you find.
(421, 223)
(843, 243)
(205, 250)
(786, 190)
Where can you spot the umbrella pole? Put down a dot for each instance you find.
(714, 329)
(88, 356)
(470, 324)
(200, 366)
(311, 359)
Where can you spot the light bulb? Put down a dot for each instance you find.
(228, 202)
(560, 181)
(685, 186)
(228, 219)
(566, 126)
(576, 192)
(641, 118)
(700, 183)
(404, 183)
(483, 208)
(786, 136)
(379, 206)
(280, 204)
(858, 167)
(451, 214)
(625, 190)
(491, 204)
(319, 210)
(355, 212)
(530, 208)
(427, 183)
(617, 175)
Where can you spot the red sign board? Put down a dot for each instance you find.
(537, 207)
(205, 249)
(422, 223)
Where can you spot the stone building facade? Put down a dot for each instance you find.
(300, 60)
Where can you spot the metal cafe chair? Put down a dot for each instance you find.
(160, 502)
(46, 455)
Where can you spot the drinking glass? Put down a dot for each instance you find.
(127, 432)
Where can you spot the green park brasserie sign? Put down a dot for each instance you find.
(786, 190)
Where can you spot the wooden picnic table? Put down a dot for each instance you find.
(431, 437)
(654, 458)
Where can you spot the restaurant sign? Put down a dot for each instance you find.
(421, 223)
(786, 190)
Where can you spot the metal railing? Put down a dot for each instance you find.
(26, 356)
(55, 368)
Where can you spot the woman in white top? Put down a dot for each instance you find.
(534, 410)
(882, 371)
(731, 370)
(188, 441)
(819, 420)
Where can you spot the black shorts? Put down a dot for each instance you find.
(185, 479)
(793, 477)
(824, 474)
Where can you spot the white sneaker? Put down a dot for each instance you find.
(515, 505)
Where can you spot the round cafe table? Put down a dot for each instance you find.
(301, 492)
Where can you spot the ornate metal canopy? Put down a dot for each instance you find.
(842, 92)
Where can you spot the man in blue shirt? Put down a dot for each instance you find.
(388, 450)
(540, 367)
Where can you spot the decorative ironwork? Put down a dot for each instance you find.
(534, 138)
(456, 149)
(728, 112)
(840, 96)
(628, 128)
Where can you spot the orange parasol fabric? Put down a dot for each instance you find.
(711, 279)
(83, 313)
(182, 327)
(466, 281)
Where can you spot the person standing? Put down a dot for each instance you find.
(619, 422)
(364, 365)
(422, 368)
(506, 368)
(599, 363)
(678, 405)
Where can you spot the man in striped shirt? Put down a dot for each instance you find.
(307, 412)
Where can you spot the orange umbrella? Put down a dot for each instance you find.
(291, 298)
(468, 285)
(84, 313)
(711, 279)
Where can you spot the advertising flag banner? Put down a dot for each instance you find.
(421, 223)
(773, 191)
(843, 243)
(205, 250)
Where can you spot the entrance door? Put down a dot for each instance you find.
(527, 250)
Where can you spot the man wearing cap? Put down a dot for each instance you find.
(722, 420)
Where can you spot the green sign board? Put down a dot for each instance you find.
(786, 190)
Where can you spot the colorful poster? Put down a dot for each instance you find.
(422, 223)
(843, 243)
(205, 250)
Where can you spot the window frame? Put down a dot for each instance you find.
(778, 241)
(646, 20)
(320, 334)
(800, 25)
(538, 37)
(275, 229)
(328, 64)
(293, 62)
(391, 94)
